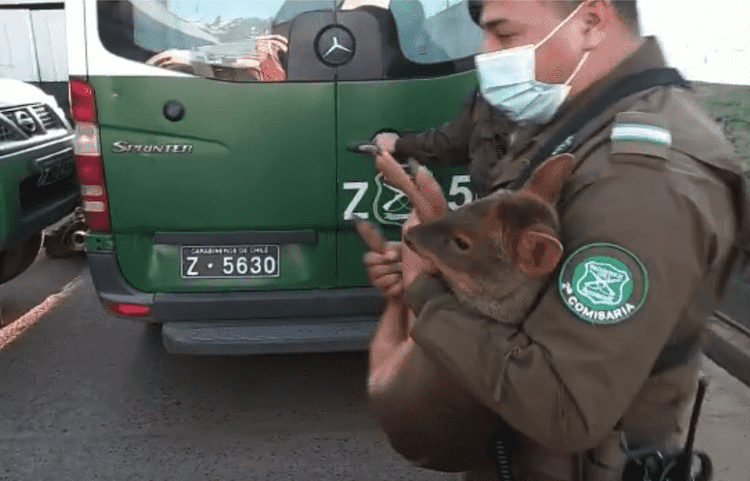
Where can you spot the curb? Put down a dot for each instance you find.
(729, 348)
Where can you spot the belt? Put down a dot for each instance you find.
(670, 356)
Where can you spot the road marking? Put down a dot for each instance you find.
(15, 328)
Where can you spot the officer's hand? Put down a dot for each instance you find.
(384, 270)
(386, 141)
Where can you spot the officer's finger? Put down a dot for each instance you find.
(273, 36)
(383, 279)
(371, 258)
(397, 176)
(386, 141)
(379, 270)
(157, 60)
(271, 47)
(396, 289)
(431, 191)
(247, 63)
(279, 42)
(385, 283)
(371, 236)
(279, 45)
(393, 250)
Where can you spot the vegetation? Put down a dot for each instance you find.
(730, 106)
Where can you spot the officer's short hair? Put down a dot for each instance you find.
(627, 10)
(475, 10)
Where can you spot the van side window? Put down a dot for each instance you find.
(432, 31)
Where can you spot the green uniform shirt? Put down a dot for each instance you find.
(651, 218)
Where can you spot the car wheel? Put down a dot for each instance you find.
(17, 258)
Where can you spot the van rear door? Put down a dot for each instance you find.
(213, 157)
(414, 72)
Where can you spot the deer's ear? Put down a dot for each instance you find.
(547, 180)
(537, 253)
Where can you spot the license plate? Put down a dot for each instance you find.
(238, 261)
(55, 170)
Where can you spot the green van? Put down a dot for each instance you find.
(211, 149)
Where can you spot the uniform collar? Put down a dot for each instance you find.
(527, 139)
(646, 57)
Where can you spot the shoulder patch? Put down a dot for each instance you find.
(640, 133)
(603, 283)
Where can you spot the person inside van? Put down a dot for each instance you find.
(265, 64)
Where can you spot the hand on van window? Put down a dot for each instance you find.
(265, 64)
(172, 59)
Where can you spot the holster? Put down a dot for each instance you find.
(527, 460)
(652, 464)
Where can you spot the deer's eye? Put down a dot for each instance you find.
(462, 244)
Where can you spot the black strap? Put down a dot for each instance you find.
(497, 450)
(625, 87)
(675, 354)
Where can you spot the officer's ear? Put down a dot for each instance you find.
(597, 17)
(537, 253)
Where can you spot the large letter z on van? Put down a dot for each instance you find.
(211, 150)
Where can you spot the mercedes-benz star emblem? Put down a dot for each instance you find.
(335, 45)
(24, 120)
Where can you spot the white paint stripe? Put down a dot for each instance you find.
(16, 328)
(645, 132)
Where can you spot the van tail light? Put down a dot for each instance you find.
(88, 156)
(128, 309)
(82, 101)
(93, 193)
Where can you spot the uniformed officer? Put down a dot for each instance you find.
(653, 218)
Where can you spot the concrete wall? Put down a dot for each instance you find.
(33, 45)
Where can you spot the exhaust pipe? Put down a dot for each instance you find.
(78, 240)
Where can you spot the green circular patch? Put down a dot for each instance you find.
(603, 283)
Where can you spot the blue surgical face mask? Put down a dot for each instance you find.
(507, 80)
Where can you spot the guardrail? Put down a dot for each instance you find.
(727, 343)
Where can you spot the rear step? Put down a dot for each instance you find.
(268, 336)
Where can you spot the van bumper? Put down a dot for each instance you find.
(268, 336)
(262, 322)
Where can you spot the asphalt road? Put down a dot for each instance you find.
(86, 396)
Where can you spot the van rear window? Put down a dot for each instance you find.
(293, 40)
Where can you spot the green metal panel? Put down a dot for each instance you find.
(12, 171)
(99, 243)
(261, 157)
(363, 108)
(17, 222)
